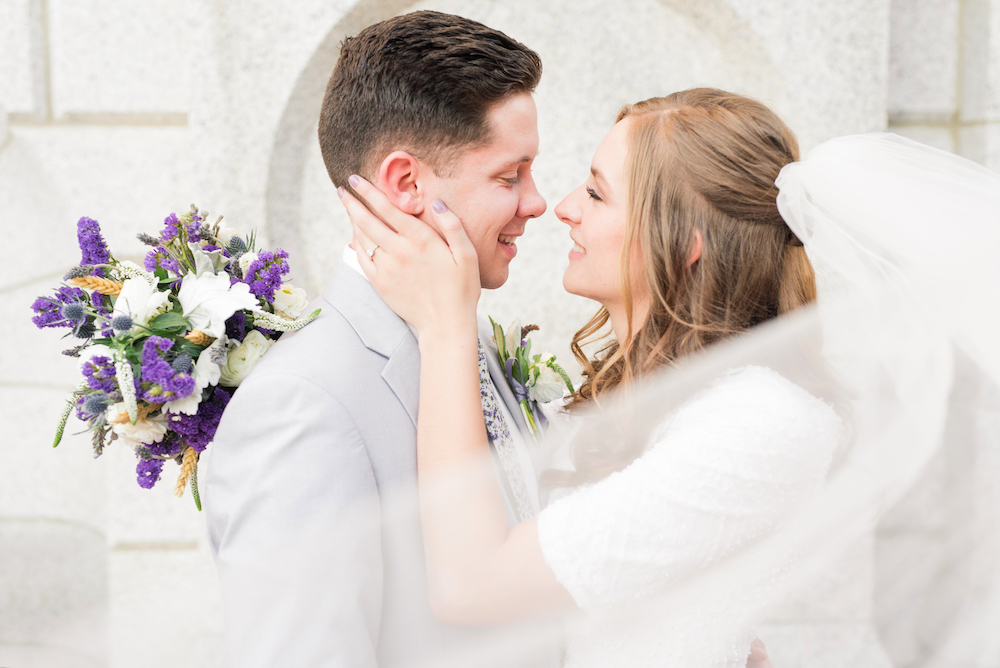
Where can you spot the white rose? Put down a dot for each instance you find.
(147, 430)
(290, 301)
(246, 260)
(243, 358)
(548, 386)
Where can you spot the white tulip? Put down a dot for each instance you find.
(512, 339)
(208, 301)
(140, 301)
(243, 358)
(290, 301)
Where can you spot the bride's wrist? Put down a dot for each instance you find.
(445, 336)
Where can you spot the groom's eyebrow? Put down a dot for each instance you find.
(514, 163)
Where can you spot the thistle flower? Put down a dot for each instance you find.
(159, 382)
(121, 323)
(140, 301)
(48, 309)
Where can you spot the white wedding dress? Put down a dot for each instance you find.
(725, 469)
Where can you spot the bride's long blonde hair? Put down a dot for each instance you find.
(701, 159)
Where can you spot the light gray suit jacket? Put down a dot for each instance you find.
(310, 497)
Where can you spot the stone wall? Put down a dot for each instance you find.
(126, 111)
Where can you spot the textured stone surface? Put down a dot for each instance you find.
(981, 68)
(923, 58)
(22, 66)
(146, 517)
(64, 484)
(128, 179)
(153, 591)
(131, 58)
(941, 137)
(53, 591)
(981, 142)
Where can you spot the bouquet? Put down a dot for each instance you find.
(164, 346)
(534, 379)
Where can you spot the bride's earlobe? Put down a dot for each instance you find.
(696, 247)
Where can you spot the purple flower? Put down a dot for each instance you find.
(158, 259)
(99, 372)
(236, 326)
(171, 228)
(92, 245)
(148, 472)
(49, 309)
(264, 275)
(159, 381)
(170, 446)
(199, 429)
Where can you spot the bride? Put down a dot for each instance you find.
(677, 234)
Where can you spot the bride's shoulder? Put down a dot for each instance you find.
(756, 400)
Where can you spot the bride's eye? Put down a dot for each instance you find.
(593, 194)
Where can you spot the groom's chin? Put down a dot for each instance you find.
(491, 278)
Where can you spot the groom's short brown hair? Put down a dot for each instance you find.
(422, 82)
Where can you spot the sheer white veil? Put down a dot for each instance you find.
(903, 343)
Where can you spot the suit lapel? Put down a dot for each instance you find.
(382, 332)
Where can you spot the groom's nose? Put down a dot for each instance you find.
(531, 204)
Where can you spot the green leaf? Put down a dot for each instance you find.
(170, 321)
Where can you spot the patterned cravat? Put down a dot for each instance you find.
(496, 427)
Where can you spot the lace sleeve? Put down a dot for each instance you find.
(729, 467)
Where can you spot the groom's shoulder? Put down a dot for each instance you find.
(330, 352)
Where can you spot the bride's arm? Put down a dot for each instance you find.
(480, 571)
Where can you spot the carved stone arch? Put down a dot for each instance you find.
(299, 121)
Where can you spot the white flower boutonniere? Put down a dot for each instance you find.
(534, 379)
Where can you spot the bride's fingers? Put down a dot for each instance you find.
(364, 220)
(404, 223)
(362, 247)
(454, 234)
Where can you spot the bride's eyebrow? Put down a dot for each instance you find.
(600, 177)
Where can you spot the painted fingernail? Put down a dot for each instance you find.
(340, 191)
(438, 206)
(354, 181)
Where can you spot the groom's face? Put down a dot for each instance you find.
(491, 190)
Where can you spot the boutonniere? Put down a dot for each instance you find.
(534, 379)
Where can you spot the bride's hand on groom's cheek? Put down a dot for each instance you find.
(427, 281)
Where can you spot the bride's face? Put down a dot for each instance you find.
(595, 213)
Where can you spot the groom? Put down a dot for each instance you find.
(310, 493)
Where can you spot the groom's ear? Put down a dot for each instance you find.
(401, 178)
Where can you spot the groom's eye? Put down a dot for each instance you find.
(512, 180)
